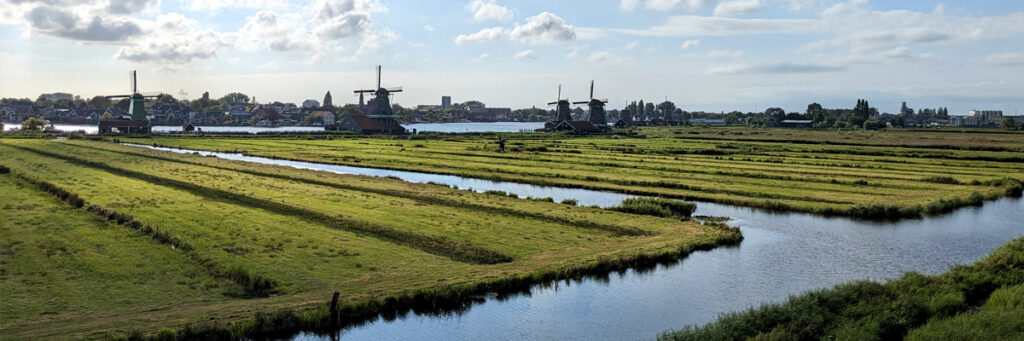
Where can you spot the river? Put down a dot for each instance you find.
(782, 254)
(506, 127)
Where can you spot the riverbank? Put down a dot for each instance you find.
(925, 176)
(979, 301)
(286, 239)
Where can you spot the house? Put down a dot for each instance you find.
(362, 124)
(578, 127)
(124, 127)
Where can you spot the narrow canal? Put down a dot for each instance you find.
(782, 254)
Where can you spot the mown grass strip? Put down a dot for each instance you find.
(434, 200)
(455, 250)
(254, 284)
(439, 300)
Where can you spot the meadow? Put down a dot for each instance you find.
(867, 174)
(108, 241)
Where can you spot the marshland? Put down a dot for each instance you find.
(106, 238)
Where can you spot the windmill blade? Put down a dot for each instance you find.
(552, 103)
(395, 89)
(603, 100)
(378, 76)
(559, 92)
(118, 96)
(363, 91)
(133, 82)
(152, 93)
(582, 102)
(591, 89)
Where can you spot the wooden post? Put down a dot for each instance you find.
(335, 319)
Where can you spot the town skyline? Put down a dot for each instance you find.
(709, 56)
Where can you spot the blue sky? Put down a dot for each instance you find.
(712, 55)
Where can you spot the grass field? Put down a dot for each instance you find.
(981, 301)
(145, 240)
(873, 174)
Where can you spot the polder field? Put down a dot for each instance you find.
(868, 174)
(100, 240)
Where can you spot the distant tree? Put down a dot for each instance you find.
(233, 99)
(775, 115)
(649, 111)
(170, 117)
(577, 113)
(897, 121)
(666, 107)
(270, 114)
(99, 103)
(328, 102)
(42, 101)
(165, 98)
(123, 104)
(640, 114)
(906, 111)
(872, 125)
(347, 109)
(33, 123)
(106, 116)
(815, 112)
(1008, 124)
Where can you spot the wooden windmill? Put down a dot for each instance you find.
(380, 105)
(562, 111)
(137, 106)
(597, 113)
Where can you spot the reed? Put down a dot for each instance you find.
(659, 207)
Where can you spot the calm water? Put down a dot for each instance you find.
(501, 127)
(781, 255)
(506, 127)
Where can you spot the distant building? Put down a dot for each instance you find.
(977, 118)
(56, 96)
(310, 103)
(446, 102)
(797, 123)
(709, 121)
(362, 124)
(578, 127)
(482, 114)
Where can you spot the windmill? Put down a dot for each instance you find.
(380, 105)
(562, 111)
(137, 107)
(597, 113)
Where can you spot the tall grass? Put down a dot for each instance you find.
(658, 207)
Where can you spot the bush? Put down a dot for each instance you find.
(658, 207)
(570, 202)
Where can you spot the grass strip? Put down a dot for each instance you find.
(455, 250)
(255, 285)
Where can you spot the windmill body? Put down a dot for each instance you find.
(138, 123)
(597, 115)
(380, 118)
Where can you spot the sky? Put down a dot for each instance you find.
(704, 55)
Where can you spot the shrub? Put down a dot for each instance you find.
(941, 180)
(570, 202)
(659, 207)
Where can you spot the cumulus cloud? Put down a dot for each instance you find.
(484, 10)
(484, 35)
(527, 54)
(131, 6)
(344, 18)
(544, 28)
(176, 40)
(217, 5)
(480, 58)
(279, 32)
(776, 68)
(66, 24)
(737, 7)
(689, 44)
(632, 45)
(725, 54)
(600, 56)
(665, 5)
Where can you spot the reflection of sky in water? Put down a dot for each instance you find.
(782, 254)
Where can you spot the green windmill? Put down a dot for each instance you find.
(137, 106)
(598, 117)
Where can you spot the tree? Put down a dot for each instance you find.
(577, 113)
(666, 107)
(328, 102)
(99, 103)
(649, 111)
(640, 113)
(106, 116)
(815, 112)
(232, 98)
(1008, 124)
(33, 123)
(872, 125)
(775, 115)
(270, 114)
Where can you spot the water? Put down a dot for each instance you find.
(89, 129)
(782, 254)
(239, 129)
(500, 127)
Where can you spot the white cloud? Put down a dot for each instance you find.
(544, 28)
(526, 54)
(725, 54)
(268, 66)
(692, 25)
(632, 45)
(776, 68)
(600, 56)
(1005, 58)
(279, 32)
(217, 5)
(484, 35)
(374, 40)
(429, 28)
(174, 40)
(737, 7)
(484, 10)
(480, 58)
(665, 5)
(66, 23)
(344, 18)
(692, 43)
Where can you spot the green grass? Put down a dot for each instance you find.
(281, 241)
(926, 307)
(879, 174)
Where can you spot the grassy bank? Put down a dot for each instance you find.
(981, 301)
(278, 242)
(862, 174)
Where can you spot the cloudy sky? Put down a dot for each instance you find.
(702, 54)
